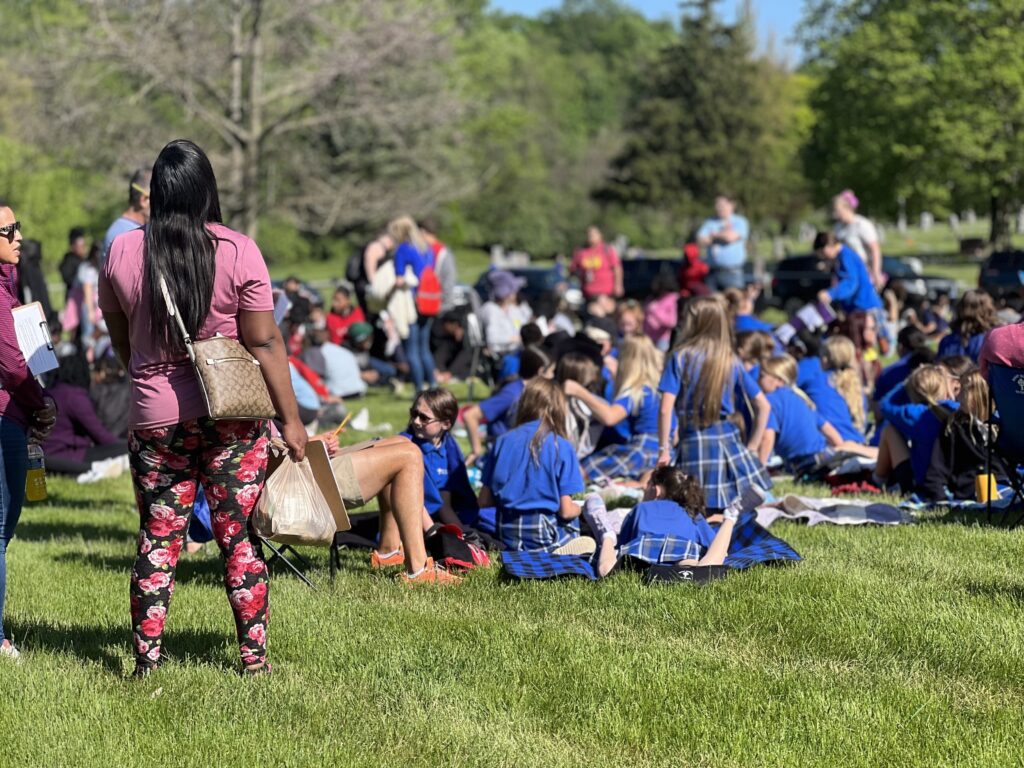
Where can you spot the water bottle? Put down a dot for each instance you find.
(35, 481)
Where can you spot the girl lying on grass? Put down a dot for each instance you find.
(797, 431)
(533, 474)
(669, 525)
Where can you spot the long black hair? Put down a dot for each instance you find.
(183, 200)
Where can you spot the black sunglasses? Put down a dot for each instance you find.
(421, 417)
(10, 231)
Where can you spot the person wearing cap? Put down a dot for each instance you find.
(135, 215)
(373, 370)
(503, 316)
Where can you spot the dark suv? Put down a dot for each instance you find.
(1002, 276)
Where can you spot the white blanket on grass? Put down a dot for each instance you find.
(836, 511)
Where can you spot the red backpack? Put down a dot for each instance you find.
(428, 295)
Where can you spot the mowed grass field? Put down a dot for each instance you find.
(886, 646)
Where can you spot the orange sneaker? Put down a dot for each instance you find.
(431, 574)
(377, 560)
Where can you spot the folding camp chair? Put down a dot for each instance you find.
(1006, 398)
(284, 553)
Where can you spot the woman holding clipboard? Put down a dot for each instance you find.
(26, 413)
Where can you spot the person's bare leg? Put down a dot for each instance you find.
(892, 451)
(398, 463)
(607, 556)
(390, 540)
(867, 451)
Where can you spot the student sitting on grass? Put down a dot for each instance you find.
(960, 452)
(579, 369)
(741, 310)
(847, 412)
(636, 403)
(669, 524)
(533, 473)
(975, 317)
(905, 449)
(797, 432)
(753, 348)
(498, 411)
(447, 494)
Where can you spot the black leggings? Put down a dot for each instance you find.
(59, 465)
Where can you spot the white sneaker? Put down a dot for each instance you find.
(601, 520)
(9, 651)
(361, 421)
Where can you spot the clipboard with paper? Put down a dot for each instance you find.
(33, 332)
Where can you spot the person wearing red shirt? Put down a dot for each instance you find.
(598, 267)
(343, 315)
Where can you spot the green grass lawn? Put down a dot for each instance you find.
(886, 646)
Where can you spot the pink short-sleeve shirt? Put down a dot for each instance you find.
(164, 389)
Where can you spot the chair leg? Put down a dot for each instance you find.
(279, 554)
(334, 561)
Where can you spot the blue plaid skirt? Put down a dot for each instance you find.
(630, 459)
(721, 461)
(661, 549)
(535, 531)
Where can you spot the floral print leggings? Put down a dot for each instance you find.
(230, 459)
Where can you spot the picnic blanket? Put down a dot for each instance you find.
(838, 512)
(751, 544)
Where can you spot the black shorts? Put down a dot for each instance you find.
(902, 477)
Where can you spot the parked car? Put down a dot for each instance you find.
(539, 281)
(796, 280)
(1002, 276)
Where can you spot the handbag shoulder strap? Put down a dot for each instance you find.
(172, 310)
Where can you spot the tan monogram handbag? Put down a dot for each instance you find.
(230, 378)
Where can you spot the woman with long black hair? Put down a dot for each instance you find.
(219, 282)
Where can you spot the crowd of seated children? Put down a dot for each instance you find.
(533, 473)
(913, 423)
(833, 382)
(498, 411)
(703, 382)
(797, 432)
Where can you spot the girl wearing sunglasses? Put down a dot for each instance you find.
(26, 413)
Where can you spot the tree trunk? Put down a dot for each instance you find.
(253, 155)
(999, 231)
(236, 177)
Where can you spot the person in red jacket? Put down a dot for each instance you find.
(343, 314)
(693, 271)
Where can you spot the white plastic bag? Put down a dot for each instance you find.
(292, 509)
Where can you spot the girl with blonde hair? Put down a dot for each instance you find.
(702, 385)
(413, 255)
(635, 403)
(907, 440)
(839, 359)
(797, 432)
(533, 474)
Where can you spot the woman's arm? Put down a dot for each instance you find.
(668, 404)
(473, 417)
(719, 548)
(117, 327)
(486, 498)
(832, 435)
(262, 338)
(447, 514)
(607, 413)
(762, 409)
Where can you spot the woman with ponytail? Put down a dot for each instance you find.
(219, 282)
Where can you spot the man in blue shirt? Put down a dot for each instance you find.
(137, 213)
(725, 237)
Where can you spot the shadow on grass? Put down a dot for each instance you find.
(29, 530)
(110, 646)
(1013, 592)
(1002, 517)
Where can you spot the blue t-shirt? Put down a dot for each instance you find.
(406, 255)
(121, 225)
(891, 376)
(500, 408)
(854, 291)
(952, 344)
(919, 426)
(813, 380)
(523, 484)
(797, 427)
(665, 518)
(444, 469)
(726, 255)
(746, 323)
(510, 365)
(305, 395)
(737, 386)
(642, 419)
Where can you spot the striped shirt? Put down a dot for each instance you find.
(21, 395)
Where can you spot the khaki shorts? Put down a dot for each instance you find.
(345, 474)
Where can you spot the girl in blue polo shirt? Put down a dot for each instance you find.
(797, 431)
(447, 493)
(853, 290)
(499, 410)
(975, 317)
(533, 474)
(702, 383)
(635, 406)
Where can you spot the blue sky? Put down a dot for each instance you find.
(778, 17)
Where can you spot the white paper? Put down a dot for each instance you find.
(33, 334)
